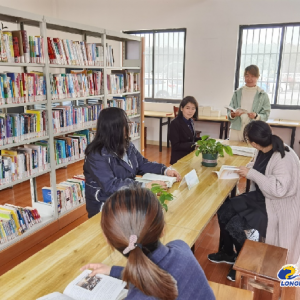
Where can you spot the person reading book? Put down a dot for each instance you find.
(272, 206)
(248, 103)
(112, 161)
(182, 132)
(132, 221)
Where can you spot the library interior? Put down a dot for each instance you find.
(149, 150)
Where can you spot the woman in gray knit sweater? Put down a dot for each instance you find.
(273, 204)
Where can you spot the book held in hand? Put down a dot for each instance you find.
(148, 177)
(244, 111)
(84, 287)
(227, 172)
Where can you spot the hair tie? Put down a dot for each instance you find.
(132, 244)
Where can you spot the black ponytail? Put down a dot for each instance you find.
(278, 145)
(260, 133)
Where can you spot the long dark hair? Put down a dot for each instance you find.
(137, 211)
(260, 133)
(112, 132)
(184, 102)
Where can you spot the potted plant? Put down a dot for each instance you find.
(210, 150)
(162, 195)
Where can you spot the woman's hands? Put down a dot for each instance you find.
(243, 171)
(173, 173)
(237, 113)
(161, 183)
(252, 115)
(97, 269)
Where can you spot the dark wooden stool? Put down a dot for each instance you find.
(257, 266)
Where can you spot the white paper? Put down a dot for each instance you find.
(227, 172)
(99, 287)
(191, 179)
(243, 151)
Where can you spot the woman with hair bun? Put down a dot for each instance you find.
(133, 222)
(272, 206)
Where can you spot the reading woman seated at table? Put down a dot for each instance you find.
(132, 221)
(182, 131)
(250, 102)
(272, 207)
(112, 161)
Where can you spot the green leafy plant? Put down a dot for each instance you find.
(211, 146)
(162, 195)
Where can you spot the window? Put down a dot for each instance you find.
(164, 63)
(275, 49)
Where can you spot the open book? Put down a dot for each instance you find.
(243, 151)
(236, 109)
(227, 172)
(150, 177)
(99, 287)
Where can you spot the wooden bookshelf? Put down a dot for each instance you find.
(52, 220)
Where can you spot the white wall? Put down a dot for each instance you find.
(212, 32)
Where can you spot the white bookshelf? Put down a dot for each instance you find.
(49, 212)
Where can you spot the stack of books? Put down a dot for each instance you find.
(129, 104)
(134, 129)
(16, 220)
(70, 193)
(123, 82)
(22, 87)
(67, 118)
(22, 162)
(15, 47)
(77, 84)
(15, 128)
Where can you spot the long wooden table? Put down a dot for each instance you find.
(224, 124)
(55, 266)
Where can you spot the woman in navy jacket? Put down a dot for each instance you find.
(133, 222)
(182, 131)
(113, 162)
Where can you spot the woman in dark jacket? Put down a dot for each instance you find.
(113, 162)
(182, 131)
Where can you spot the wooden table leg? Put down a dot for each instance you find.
(238, 279)
(276, 291)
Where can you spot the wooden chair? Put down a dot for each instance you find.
(226, 292)
(257, 266)
(176, 110)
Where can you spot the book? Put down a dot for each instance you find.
(237, 109)
(227, 172)
(148, 177)
(84, 287)
(243, 151)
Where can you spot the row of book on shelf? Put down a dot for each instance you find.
(31, 87)
(16, 220)
(70, 193)
(22, 87)
(15, 47)
(123, 81)
(68, 52)
(18, 127)
(130, 104)
(19, 163)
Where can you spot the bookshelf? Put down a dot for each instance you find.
(47, 26)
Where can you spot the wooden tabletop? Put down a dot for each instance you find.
(158, 114)
(54, 267)
(284, 123)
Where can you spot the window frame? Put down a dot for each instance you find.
(153, 31)
(238, 60)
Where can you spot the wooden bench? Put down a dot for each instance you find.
(257, 266)
(226, 292)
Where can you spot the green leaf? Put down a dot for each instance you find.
(162, 198)
(165, 206)
(197, 152)
(204, 137)
(228, 149)
(169, 197)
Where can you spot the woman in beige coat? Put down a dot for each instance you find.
(281, 187)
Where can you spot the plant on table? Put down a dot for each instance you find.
(210, 150)
(162, 195)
